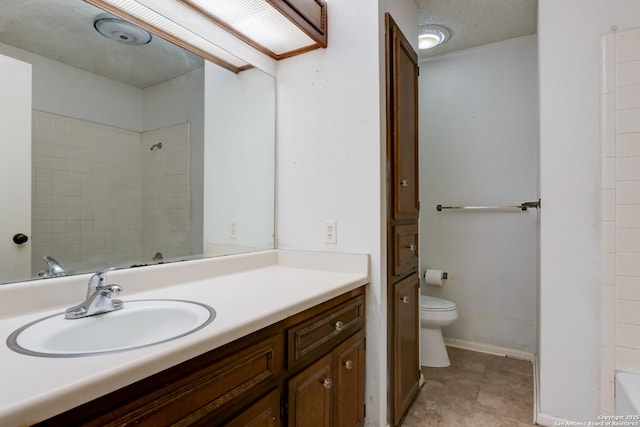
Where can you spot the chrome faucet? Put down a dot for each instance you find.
(55, 269)
(99, 298)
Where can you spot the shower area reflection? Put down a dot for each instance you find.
(102, 197)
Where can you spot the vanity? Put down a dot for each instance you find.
(286, 346)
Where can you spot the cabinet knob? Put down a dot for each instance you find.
(404, 183)
(327, 383)
(411, 247)
(405, 299)
(348, 364)
(339, 326)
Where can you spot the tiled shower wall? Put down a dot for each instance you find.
(165, 193)
(89, 182)
(620, 148)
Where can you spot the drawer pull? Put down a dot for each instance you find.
(404, 183)
(405, 299)
(411, 247)
(348, 364)
(327, 383)
(339, 326)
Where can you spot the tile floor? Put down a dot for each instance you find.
(477, 390)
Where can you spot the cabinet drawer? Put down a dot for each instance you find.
(405, 249)
(231, 379)
(195, 397)
(321, 333)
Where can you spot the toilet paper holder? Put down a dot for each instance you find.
(435, 277)
(444, 274)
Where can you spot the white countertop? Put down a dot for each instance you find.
(248, 292)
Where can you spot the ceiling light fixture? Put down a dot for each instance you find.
(278, 28)
(141, 15)
(119, 30)
(430, 36)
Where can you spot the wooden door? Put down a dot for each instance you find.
(15, 163)
(349, 365)
(311, 395)
(403, 123)
(406, 327)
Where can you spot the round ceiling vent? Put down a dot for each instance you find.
(120, 30)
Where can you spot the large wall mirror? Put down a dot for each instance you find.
(127, 154)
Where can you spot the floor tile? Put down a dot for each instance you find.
(477, 390)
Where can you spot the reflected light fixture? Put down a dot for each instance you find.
(278, 28)
(119, 30)
(430, 36)
(152, 21)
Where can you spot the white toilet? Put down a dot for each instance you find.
(435, 313)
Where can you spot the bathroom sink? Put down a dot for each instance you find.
(140, 323)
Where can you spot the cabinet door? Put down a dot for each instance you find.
(264, 413)
(403, 122)
(311, 395)
(406, 326)
(349, 363)
(405, 249)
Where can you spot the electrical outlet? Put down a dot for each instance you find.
(330, 232)
(233, 229)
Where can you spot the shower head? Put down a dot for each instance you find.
(155, 146)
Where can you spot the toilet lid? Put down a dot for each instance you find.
(435, 304)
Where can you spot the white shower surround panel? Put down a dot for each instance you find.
(86, 193)
(620, 184)
(102, 198)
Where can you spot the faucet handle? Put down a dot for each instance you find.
(98, 281)
(111, 289)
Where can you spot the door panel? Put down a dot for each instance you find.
(350, 382)
(405, 128)
(310, 395)
(15, 164)
(406, 363)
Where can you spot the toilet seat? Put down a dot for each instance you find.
(428, 303)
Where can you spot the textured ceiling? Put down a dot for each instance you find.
(478, 22)
(63, 30)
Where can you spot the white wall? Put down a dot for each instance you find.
(570, 272)
(479, 146)
(239, 153)
(330, 124)
(72, 92)
(176, 101)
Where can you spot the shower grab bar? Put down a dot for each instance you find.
(523, 206)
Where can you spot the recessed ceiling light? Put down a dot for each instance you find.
(431, 36)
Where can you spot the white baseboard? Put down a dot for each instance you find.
(491, 349)
(549, 421)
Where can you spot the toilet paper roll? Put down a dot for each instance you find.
(433, 277)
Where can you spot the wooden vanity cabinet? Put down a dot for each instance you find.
(262, 379)
(330, 391)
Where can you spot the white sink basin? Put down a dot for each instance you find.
(139, 324)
